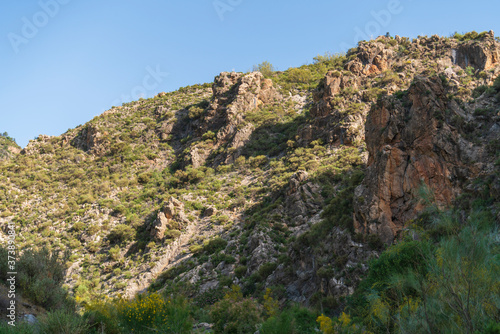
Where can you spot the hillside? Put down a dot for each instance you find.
(8, 146)
(289, 180)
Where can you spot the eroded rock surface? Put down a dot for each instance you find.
(411, 146)
(234, 94)
(169, 217)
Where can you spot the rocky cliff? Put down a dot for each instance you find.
(8, 147)
(422, 137)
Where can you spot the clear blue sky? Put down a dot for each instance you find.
(66, 61)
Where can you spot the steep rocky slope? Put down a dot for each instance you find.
(8, 147)
(292, 181)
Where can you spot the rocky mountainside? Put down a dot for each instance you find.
(291, 181)
(8, 147)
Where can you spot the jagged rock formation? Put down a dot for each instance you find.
(411, 144)
(408, 147)
(371, 59)
(169, 217)
(483, 55)
(234, 94)
(338, 118)
(92, 140)
(8, 147)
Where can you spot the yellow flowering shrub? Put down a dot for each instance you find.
(143, 314)
(143, 311)
(271, 305)
(325, 324)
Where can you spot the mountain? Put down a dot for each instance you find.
(290, 180)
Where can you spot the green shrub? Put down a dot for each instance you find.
(220, 257)
(294, 320)
(240, 271)
(144, 178)
(208, 135)
(63, 322)
(172, 234)
(195, 112)
(266, 68)
(235, 314)
(267, 269)
(102, 318)
(40, 276)
(114, 253)
(121, 233)
(444, 286)
(195, 249)
(496, 84)
(20, 328)
(300, 75)
(478, 91)
(215, 245)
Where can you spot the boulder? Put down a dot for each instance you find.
(169, 217)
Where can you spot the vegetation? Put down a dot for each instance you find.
(7, 143)
(266, 68)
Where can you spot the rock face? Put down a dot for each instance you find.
(8, 148)
(333, 83)
(238, 92)
(336, 121)
(234, 94)
(409, 147)
(169, 217)
(413, 144)
(300, 202)
(371, 59)
(483, 55)
(90, 139)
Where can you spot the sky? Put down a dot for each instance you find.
(64, 62)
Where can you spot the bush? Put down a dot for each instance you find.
(121, 233)
(145, 314)
(235, 314)
(152, 312)
(295, 320)
(102, 318)
(267, 269)
(444, 286)
(63, 322)
(215, 245)
(300, 75)
(40, 276)
(240, 271)
(266, 68)
(114, 253)
(20, 328)
(195, 112)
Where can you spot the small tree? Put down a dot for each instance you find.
(266, 68)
